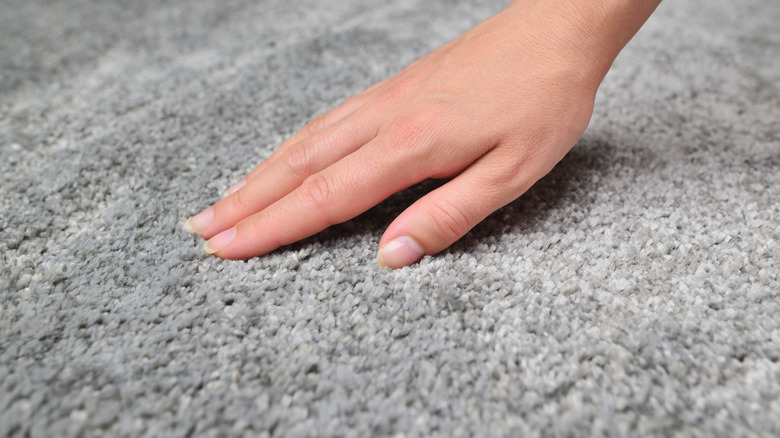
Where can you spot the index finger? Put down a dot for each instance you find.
(334, 195)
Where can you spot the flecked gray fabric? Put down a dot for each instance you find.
(634, 291)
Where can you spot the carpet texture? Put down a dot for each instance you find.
(635, 291)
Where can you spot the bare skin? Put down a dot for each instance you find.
(494, 110)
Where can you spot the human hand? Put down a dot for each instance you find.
(494, 110)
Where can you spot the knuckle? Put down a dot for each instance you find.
(411, 140)
(406, 131)
(393, 93)
(315, 125)
(316, 192)
(451, 220)
(411, 130)
(297, 160)
(352, 100)
(399, 89)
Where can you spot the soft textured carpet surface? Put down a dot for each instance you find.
(634, 291)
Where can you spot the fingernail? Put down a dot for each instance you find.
(220, 241)
(399, 252)
(235, 188)
(199, 222)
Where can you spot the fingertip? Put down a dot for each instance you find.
(200, 221)
(380, 260)
(220, 241)
(399, 252)
(188, 227)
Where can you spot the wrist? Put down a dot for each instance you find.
(589, 33)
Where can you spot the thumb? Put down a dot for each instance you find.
(444, 215)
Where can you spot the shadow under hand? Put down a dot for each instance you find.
(570, 185)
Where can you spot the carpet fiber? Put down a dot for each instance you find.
(633, 291)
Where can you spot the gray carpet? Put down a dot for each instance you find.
(634, 291)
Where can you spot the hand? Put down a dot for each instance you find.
(495, 109)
